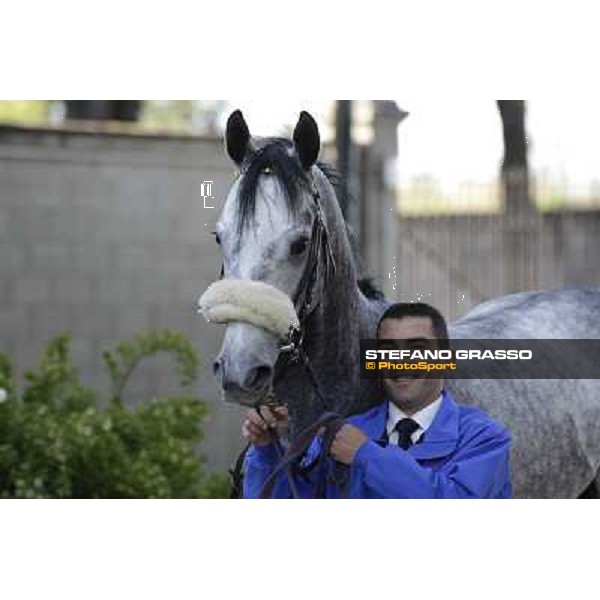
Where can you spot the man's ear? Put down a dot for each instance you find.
(237, 137)
(306, 140)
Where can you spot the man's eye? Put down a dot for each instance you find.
(387, 346)
(421, 347)
(299, 246)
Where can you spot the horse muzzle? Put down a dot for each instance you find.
(245, 365)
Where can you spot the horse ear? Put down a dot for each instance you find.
(306, 139)
(237, 137)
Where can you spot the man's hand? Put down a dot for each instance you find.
(261, 429)
(346, 442)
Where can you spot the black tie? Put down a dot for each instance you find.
(405, 429)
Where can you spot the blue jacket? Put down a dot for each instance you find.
(463, 454)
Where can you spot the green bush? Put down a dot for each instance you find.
(56, 443)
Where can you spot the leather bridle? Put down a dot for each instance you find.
(305, 300)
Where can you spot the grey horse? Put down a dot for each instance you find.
(264, 232)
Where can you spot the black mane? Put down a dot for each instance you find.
(277, 156)
(367, 286)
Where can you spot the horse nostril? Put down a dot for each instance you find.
(218, 368)
(230, 386)
(258, 377)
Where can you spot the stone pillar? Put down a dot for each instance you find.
(379, 191)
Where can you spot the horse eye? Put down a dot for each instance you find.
(217, 238)
(298, 246)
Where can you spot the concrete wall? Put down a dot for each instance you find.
(105, 236)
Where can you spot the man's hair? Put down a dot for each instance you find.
(419, 309)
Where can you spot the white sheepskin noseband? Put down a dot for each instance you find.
(253, 302)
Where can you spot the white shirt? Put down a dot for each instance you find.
(423, 417)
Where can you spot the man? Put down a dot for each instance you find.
(418, 443)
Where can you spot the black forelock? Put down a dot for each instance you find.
(273, 154)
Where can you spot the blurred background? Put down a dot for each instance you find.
(106, 209)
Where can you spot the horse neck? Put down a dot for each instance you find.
(347, 317)
(334, 328)
(333, 332)
(344, 295)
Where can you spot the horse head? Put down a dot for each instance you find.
(281, 228)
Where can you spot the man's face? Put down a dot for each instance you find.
(411, 391)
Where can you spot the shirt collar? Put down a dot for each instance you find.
(423, 417)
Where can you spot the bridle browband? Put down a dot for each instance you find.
(291, 349)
